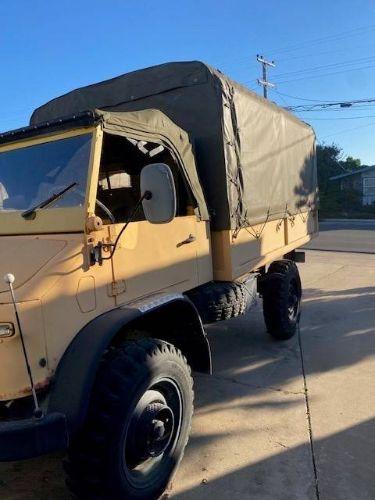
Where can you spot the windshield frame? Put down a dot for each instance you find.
(55, 219)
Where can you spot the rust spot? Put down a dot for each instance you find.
(26, 391)
(39, 386)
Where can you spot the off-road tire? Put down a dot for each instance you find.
(218, 301)
(97, 465)
(281, 291)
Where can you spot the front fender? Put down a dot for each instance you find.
(76, 372)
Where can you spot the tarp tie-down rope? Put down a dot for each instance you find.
(239, 217)
(251, 229)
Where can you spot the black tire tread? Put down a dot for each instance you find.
(275, 290)
(218, 301)
(83, 466)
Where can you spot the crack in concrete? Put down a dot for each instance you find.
(325, 276)
(308, 413)
(282, 445)
(256, 386)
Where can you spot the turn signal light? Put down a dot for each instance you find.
(6, 330)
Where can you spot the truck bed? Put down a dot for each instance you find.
(235, 255)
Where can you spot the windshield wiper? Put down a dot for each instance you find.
(31, 212)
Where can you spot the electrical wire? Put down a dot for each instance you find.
(329, 38)
(309, 77)
(342, 118)
(281, 97)
(348, 130)
(327, 106)
(349, 62)
(292, 47)
(298, 98)
(248, 63)
(325, 52)
(331, 110)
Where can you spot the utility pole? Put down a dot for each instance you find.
(264, 82)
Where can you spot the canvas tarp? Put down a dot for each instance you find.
(151, 125)
(256, 162)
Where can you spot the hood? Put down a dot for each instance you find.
(24, 256)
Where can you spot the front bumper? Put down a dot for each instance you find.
(27, 438)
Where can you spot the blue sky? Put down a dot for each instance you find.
(49, 48)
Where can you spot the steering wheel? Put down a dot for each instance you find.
(101, 205)
(106, 210)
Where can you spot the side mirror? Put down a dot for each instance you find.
(157, 178)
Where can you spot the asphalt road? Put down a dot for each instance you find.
(346, 236)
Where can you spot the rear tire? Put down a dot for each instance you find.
(282, 291)
(138, 424)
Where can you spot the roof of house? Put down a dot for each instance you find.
(354, 172)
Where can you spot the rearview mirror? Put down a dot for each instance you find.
(160, 207)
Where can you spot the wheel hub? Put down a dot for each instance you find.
(158, 423)
(292, 301)
(151, 429)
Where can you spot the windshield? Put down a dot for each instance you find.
(30, 175)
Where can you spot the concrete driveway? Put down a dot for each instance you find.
(257, 433)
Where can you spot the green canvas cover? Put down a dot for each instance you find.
(150, 125)
(256, 162)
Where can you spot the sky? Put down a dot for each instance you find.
(324, 52)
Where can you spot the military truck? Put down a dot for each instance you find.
(132, 212)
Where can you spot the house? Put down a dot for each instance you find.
(361, 180)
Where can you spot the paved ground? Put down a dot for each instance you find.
(346, 235)
(254, 436)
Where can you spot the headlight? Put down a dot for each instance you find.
(6, 330)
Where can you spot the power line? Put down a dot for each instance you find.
(325, 52)
(333, 110)
(343, 118)
(349, 130)
(324, 66)
(329, 105)
(343, 64)
(292, 47)
(309, 77)
(282, 98)
(337, 37)
(243, 62)
(298, 98)
(320, 100)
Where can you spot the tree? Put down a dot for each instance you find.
(329, 163)
(351, 163)
(337, 200)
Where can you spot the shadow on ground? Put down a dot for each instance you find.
(337, 331)
(253, 482)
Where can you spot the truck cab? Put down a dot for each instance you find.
(68, 190)
(50, 250)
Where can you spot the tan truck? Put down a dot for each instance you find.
(132, 212)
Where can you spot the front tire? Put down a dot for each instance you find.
(138, 424)
(282, 291)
